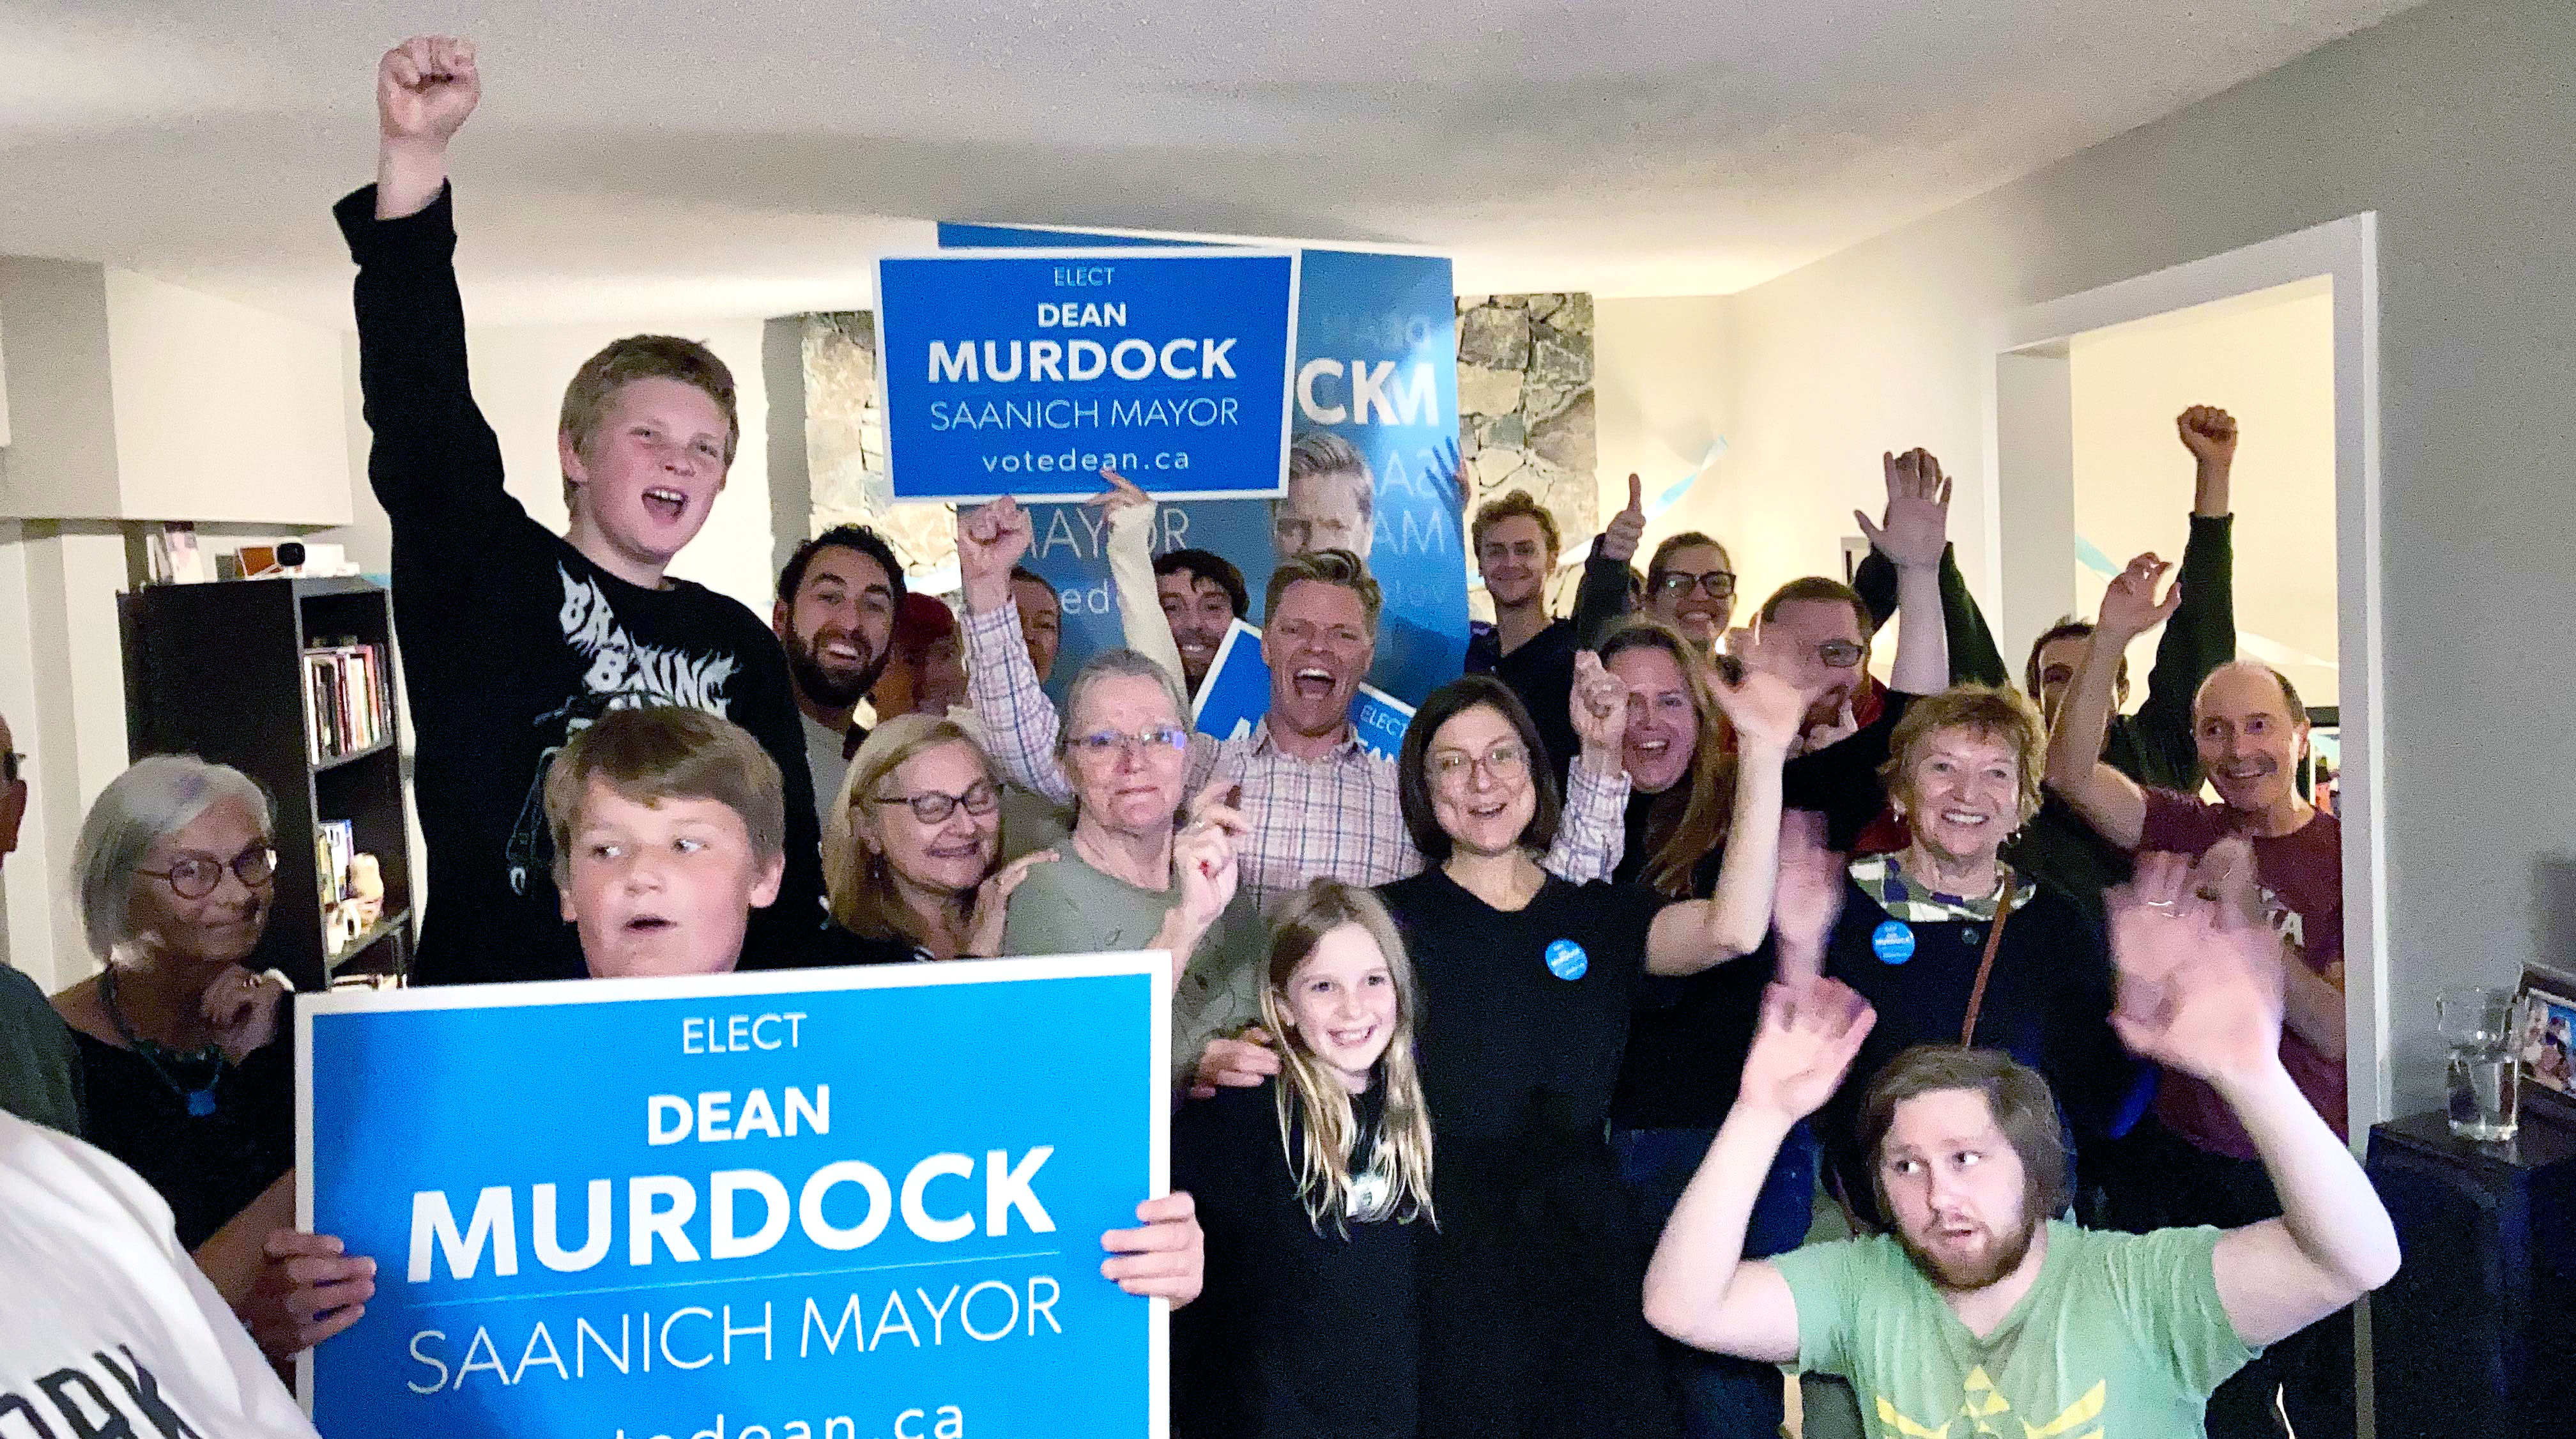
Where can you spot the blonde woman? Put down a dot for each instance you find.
(911, 855)
(1311, 1189)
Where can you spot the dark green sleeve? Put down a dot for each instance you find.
(2199, 638)
(1600, 600)
(1973, 656)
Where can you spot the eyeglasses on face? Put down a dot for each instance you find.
(1501, 764)
(1719, 584)
(1103, 744)
(194, 876)
(933, 807)
(1840, 654)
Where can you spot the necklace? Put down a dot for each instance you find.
(200, 1099)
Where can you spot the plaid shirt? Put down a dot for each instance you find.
(1336, 817)
(1883, 879)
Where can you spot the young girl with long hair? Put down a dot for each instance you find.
(1311, 1189)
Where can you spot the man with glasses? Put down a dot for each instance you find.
(39, 1065)
(1310, 800)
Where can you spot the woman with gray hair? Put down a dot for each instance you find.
(1137, 876)
(175, 873)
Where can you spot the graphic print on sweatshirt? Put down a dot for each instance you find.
(122, 1404)
(621, 674)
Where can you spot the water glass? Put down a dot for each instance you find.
(2479, 1030)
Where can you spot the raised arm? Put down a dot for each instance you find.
(1020, 722)
(2201, 992)
(1130, 549)
(1913, 535)
(1699, 1289)
(1593, 831)
(431, 446)
(1696, 934)
(2201, 636)
(2110, 801)
(1974, 658)
(1601, 597)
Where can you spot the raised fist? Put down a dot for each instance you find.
(425, 87)
(990, 539)
(2209, 433)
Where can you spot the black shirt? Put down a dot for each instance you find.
(2047, 1003)
(1541, 674)
(512, 641)
(1841, 781)
(1524, 1013)
(1296, 1334)
(207, 1166)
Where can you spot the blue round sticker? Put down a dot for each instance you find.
(1566, 959)
(1893, 941)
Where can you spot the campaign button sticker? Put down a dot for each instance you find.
(1566, 959)
(1893, 941)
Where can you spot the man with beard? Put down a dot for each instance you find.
(1983, 1305)
(1202, 595)
(2252, 733)
(1311, 800)
(837, 598)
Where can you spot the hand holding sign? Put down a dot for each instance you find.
(1121, 494)
(1166, 1258)
(990, 539)
(1619, 540)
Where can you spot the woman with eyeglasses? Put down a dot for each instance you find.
(1137, 874)
(911, 857)
(182, 1072)
(1690, 585)
(1531, 1320)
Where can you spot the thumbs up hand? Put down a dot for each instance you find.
(1626, 528)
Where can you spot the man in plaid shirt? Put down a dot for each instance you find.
(1314, 801)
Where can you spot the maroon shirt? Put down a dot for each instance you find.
(2302, 878)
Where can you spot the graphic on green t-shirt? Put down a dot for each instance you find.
(1984, 1406)
(2121, 1336)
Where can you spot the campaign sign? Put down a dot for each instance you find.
(1025, 372)
(1377, 365)
(1236, 694)
(837, 1204)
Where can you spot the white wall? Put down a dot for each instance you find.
(2453, 122)
(2268, 359)
(223, 412)
(1664, 391)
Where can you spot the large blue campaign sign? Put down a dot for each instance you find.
(1026, 372)
(1236, 694)
(850, 1204)
(1377, 364)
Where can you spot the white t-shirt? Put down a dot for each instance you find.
(106, 1324)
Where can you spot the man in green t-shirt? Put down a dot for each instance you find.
(1981, 1314)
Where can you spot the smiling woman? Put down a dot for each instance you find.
(1137, 876)
(1947, 942)
(184, 1081)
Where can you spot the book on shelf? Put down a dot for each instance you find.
(346, 695)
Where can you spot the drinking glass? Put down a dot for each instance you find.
(2478, 1027)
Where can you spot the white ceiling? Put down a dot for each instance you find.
(658, 157)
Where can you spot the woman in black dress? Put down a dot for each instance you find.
(1529, 1297)
(186, 1076)
(1314, 1190)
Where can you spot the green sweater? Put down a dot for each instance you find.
(2155, 746)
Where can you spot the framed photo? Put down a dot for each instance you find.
(2546, 1048)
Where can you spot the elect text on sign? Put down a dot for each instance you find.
(1026, 372)
(845, 1204)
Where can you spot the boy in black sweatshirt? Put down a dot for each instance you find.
(515, 639)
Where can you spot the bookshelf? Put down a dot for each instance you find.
(220, 671)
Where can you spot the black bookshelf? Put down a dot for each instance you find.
(217, 670)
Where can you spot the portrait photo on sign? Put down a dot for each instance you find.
(2548, 1046)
